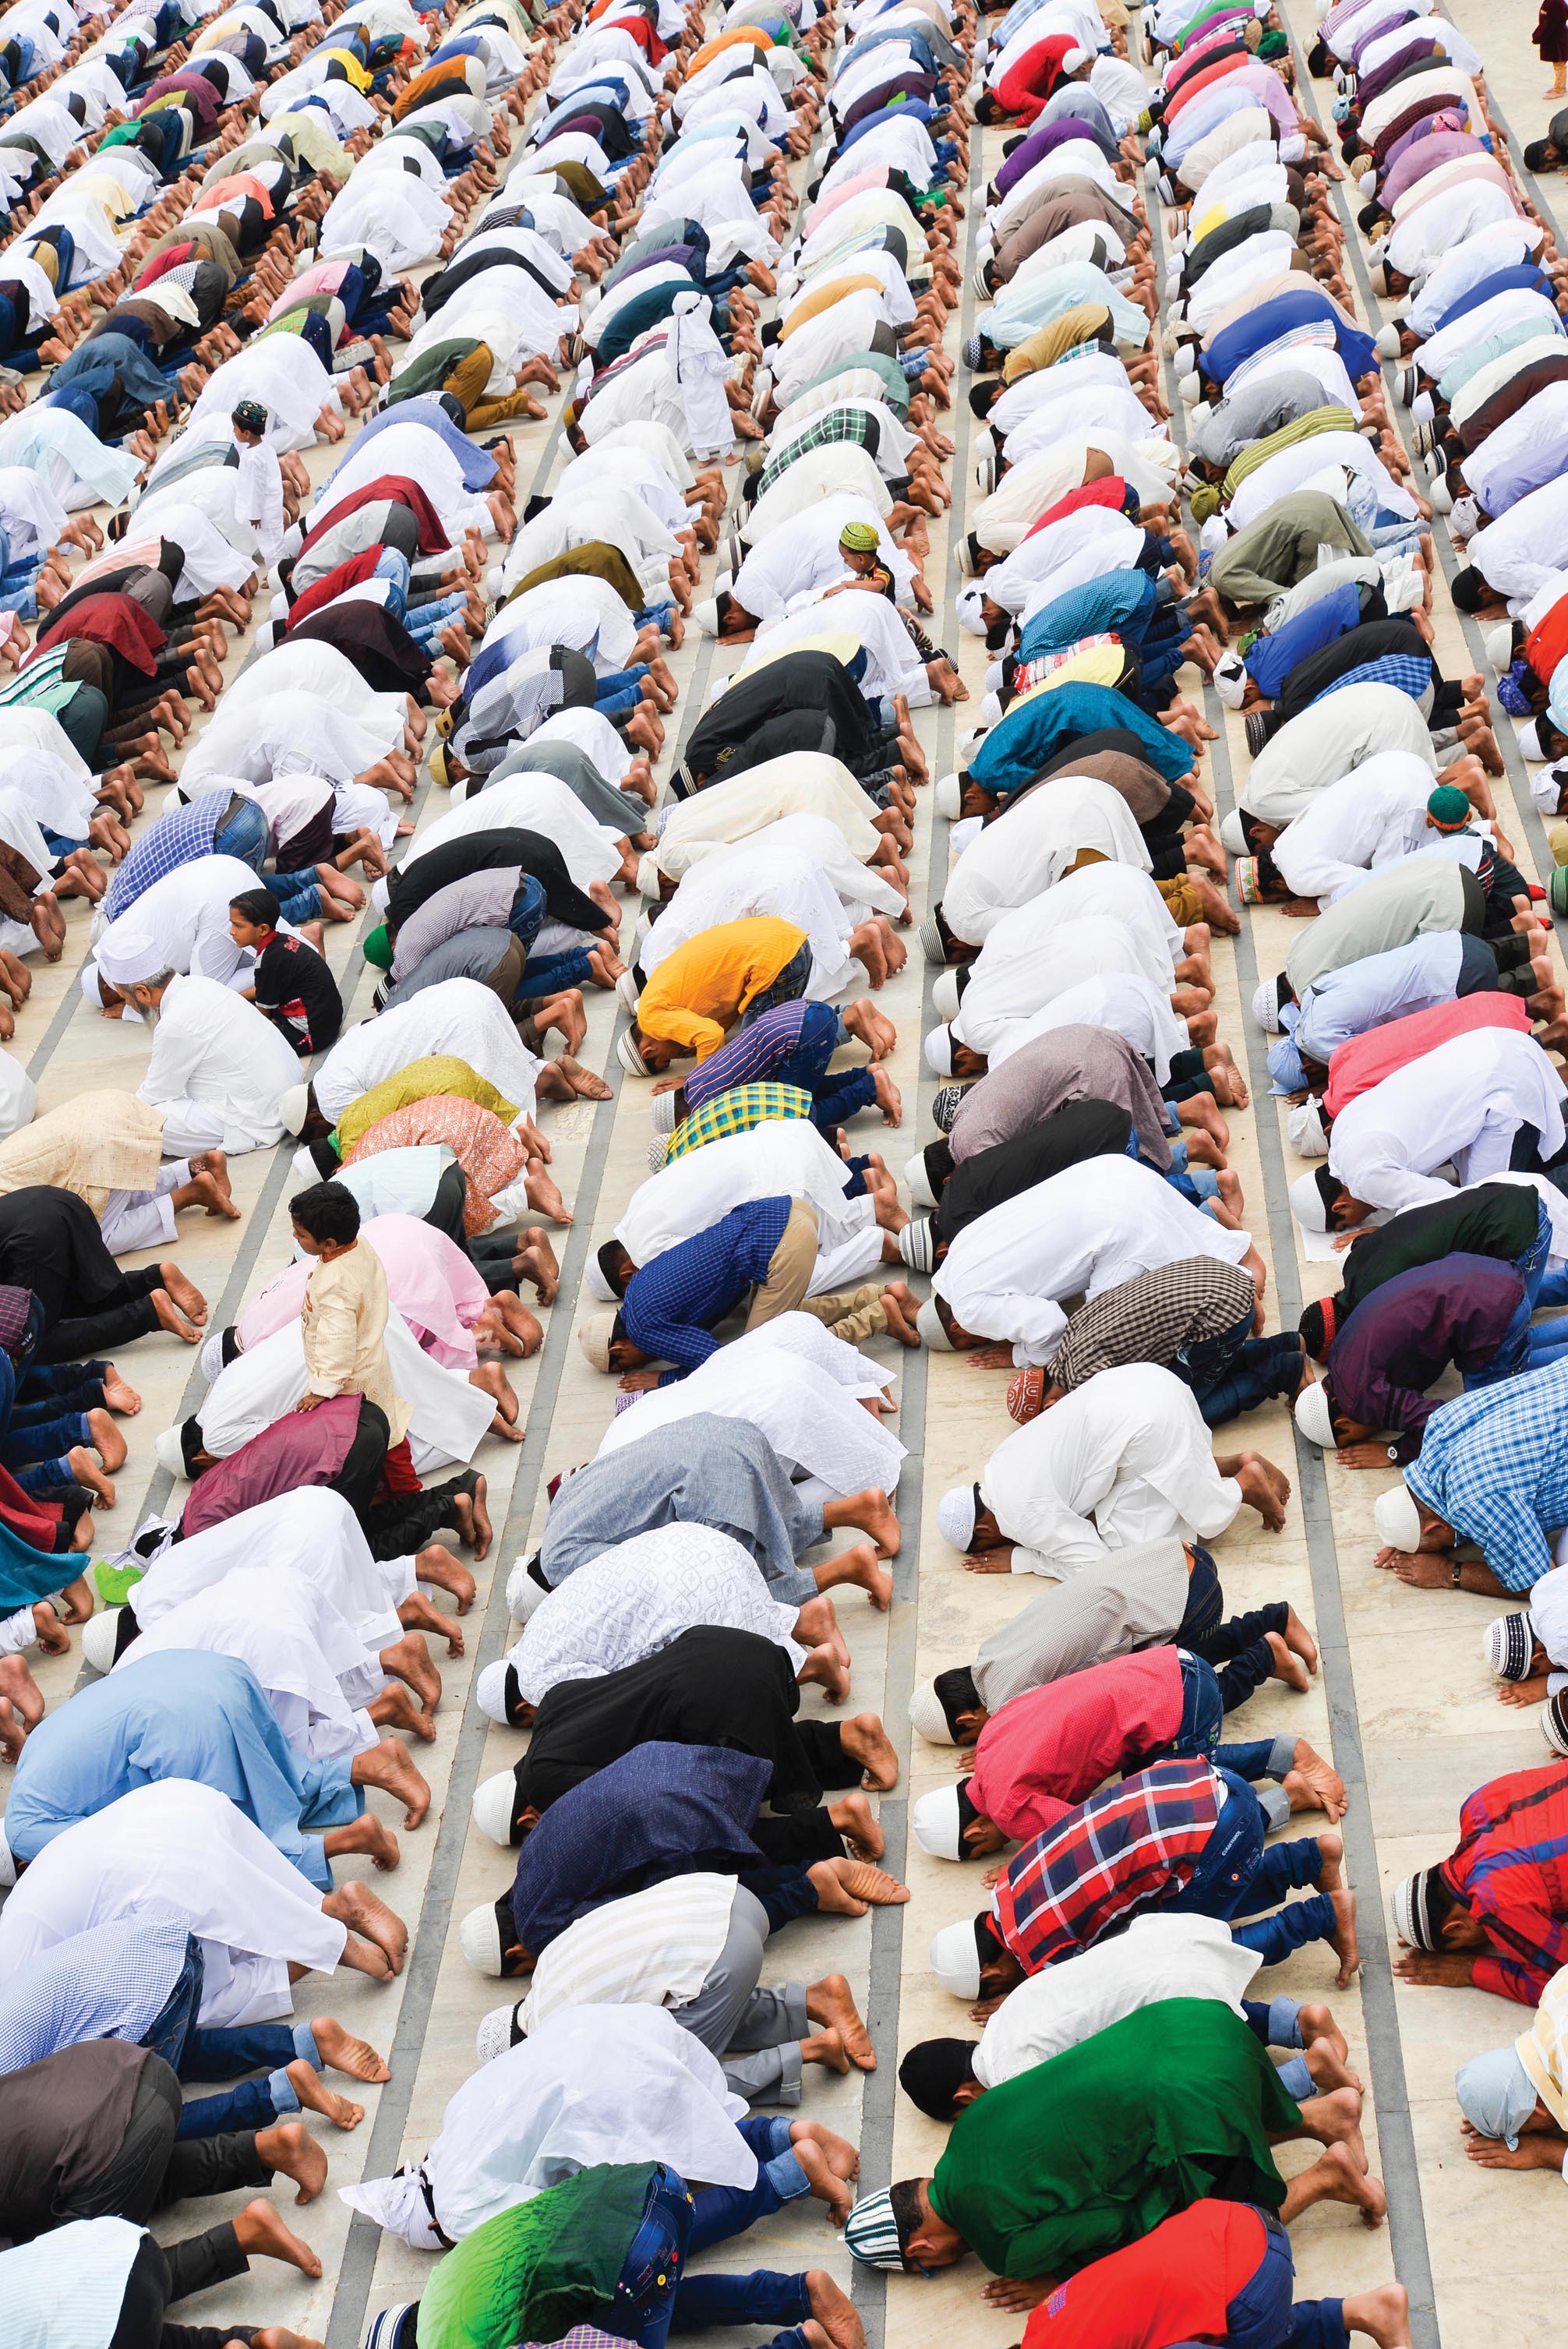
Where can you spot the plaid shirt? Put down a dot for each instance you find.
(1494, 1464)
(735, 1111)
(1409, 673)
(1511, 1868)
(1152, 1317)
(1133, 1846)
(176, 839)
(827, 431)
(759, 1049)
(671, 1304)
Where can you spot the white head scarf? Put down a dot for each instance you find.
(700, 367)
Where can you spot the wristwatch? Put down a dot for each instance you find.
(1458, 1569)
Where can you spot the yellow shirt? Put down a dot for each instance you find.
(705, 985)
(811, 306)
(441, 1072)
(345, 1322)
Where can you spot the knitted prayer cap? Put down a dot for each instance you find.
(860, 537)
(249, 416)
(1448, 807)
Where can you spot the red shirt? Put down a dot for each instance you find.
(1366, 1059)
(1047, 1749)
(1547, 642)
(1175, 2285)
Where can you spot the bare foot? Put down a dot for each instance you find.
(185, 1293)
(1335, 2177)
(824, 2183)
(1299, 1639)
(858, 1565)
(422, 1614)
(1342, 1941)
(260, 2233)
(1327, 2068)
(865, 1741)
(341, 2052)
(828, 2002)
(408, 1660)
(21, 1691)
(365, 1837)
(847, 1887)
(118, 1396)
(314, 2097)
(875, 1515)
(1316, 1778)
(288, 2148)
(856, 1822)
(1287, 1667)
(833, 2310)
(474, 1529)
(390, 1766)
(395, 1708)
(438, 1567)
(366, 1913)
(170, 1318)
(825, 2048)
(90, 1477)
(107, 1440)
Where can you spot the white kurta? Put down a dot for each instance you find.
(1026, 849)
(1125, 1459)
(594, 2084)
(311, 1532)
(457, 1016)
(1125, 1000)
(447, 1416)
(189, 1846)
(1082, 1231)
(1020, 983)
(1375, 815)
(1464, 1101)
(1156, 1958)
(779, 1158)
(767, 879)
(803, 782)
(183, 918)
(1324, 743)
(636, 1599)
(218, 1071)
(533, 801)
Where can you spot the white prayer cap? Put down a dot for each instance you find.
(955, 1514)
(293, 1106)
(930, 939)
(918, 1182)
(98, 1638)
(917, 1245)
(955, 1958)
(927, 1717)
(1508, 1643)
(595, 1283)
(495, 582)
(498, 2031)
(89, 983)
(1388, 341)
(1187, 365)
(937, 1822)
(1188, 389)
(939, 1052)
(211, 1356)
(928, 1321)
(1265, 1006)
(1231, 679)
(944, 994)
(662, 1111)
(494, 1801)
(991, 709)
(490, 1696)
(7, 1864)
(595, 1336)
(1530, 743)
(1465, 517)
(704, 615)
(129, 953)
(948, 800)
(303, 1168)
(1304, 1130)
(170, 1452)
(1313, 1416)
(630, 1058)
(1074, 59)
(479, 1938)
(1306, 1204)
(523, 1594)
(1232, 835)
(648, 874)
(1499, 643)
(628, 991)
(1397, 1518)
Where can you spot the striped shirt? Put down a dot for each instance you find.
(761, 1047)
(1133, 1846)
(1152, 1316)
(735, 1111)
(655, 1948)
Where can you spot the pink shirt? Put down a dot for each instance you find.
(1049, 1748)
(1366, 1059)
(428, 1279)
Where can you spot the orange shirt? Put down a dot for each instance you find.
(703, 988)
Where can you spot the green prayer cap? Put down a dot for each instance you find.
(860, 537)
(378, 948)
(1205, 501)
(1449, 807)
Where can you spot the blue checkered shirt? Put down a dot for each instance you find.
(1494, 1464)
(174, 840)
(1409, 673)
(110, 1982)
(671, 1304)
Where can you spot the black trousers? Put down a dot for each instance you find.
(151, 2169)
(408, 1520)
(159, 2276)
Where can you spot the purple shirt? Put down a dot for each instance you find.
(1402, 1337)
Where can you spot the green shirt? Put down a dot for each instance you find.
(1092, 2149)
(531, 2273)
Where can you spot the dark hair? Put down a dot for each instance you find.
(904, 2201)
(1535, 154)
(1329, 1189)
(957, 1695)
(988, 1943)
(1469, 589)
(931, 2076)
(1442, 1901)
(1313, 1329)
(967, 1813)
(258, 907)
(327, 1211)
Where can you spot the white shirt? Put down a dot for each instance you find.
(1464, 1101)
(211, 1047)
(1156, 1958)
(1030, 846)
(655, 1948)
(779, 1158)
(1326, 742)
(1123, 1460)
(458, 1017)
(1081, 1231)
(187, 914)
(310, 1532)
(1369, 818)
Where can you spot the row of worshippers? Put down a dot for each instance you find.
(1083, 1224)
(1413, 1024)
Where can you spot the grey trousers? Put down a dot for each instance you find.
(733, 2017)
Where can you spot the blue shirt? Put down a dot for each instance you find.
(671, 1304)
(1367, 994)
(1495, 1465)
(1323, 621)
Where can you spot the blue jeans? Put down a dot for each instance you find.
(721, 2211)
(248, 836)
(197, 2054)
(655, 2298)
(1262, 2314)
(1236, 1877)
(1203, 1716)
(1236, 1372)
(548, 974)
(1278, 2022)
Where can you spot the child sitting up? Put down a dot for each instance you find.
(293, 986)
(345, 1318)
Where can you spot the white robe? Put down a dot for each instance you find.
(218, 1070)
(174, 1841)
(779, 1158)
(456, 1016)
(808, 782)
(1375, 815)
(447, 1416)
(1464, 1101)
(310, 1532)
(1030, 846)
(1125, 1459)
(315, 1670)
(1123, 1000)
(1023, 982)
(589, 2084)
(1156, 1958)
(534, 802)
